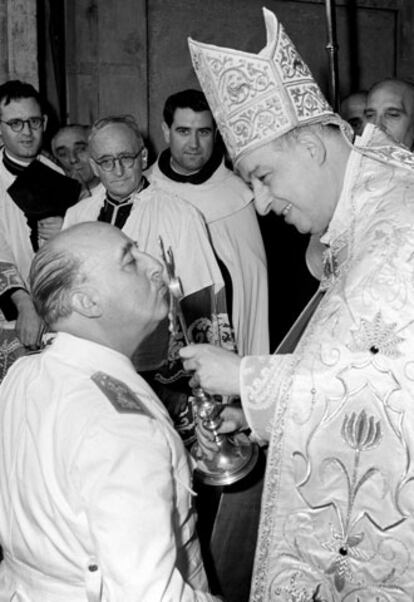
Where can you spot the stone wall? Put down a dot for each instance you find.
(18, 41)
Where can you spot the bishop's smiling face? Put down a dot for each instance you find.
(287, 179)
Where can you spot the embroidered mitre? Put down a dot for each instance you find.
(256, 98)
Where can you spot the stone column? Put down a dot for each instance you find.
(18, 41)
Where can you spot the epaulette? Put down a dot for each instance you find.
(119, 394)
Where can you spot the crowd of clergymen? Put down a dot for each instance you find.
(109, 161)
(82, 233)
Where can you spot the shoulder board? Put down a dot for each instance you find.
(124, 400)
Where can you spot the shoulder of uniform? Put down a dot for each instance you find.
(123, 399)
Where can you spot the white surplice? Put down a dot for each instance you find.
(226, 203)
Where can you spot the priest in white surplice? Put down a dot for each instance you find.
(33, 195)
(193, 168)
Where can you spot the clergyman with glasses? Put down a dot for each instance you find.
(146, 212)
(29, 213)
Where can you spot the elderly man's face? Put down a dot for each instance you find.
(70, 148)
(26, 143)
(130, 283)
(287, 180)
(191, 140)
(117, 142)
(390, 105)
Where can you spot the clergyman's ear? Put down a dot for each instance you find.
(86, 303)
(144, 158)
(313, 144)
(94, 167)
(166, 132)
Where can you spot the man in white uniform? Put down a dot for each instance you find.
(95, 484)
(146, 213)
(22, 226)
(337, 517)
(192, 167)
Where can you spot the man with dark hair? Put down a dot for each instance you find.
(33, 198)
(70, 149)
(146, 213)
(15, 89)
(193, 168)
(191, 99)
(96, 492)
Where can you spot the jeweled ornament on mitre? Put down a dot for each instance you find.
(256, 98)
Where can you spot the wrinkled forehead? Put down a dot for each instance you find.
(70, 138)
(254, 162)
(391, 94)
(114, 138)
(92, 239)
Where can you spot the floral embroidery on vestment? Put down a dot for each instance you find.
(376, 336)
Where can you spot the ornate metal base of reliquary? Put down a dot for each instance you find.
(236, 455)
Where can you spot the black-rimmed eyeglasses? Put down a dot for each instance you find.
(17, 125)
(125, 160)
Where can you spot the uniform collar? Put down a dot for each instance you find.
(89, 356)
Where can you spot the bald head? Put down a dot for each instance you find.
(353, 111)
(59, 266)
(92, 281)
(390, 106)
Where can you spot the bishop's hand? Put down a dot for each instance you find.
(215, 370)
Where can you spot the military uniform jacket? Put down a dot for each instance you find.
(95, 485)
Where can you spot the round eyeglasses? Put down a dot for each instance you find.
(17, 125)
(125, 160)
